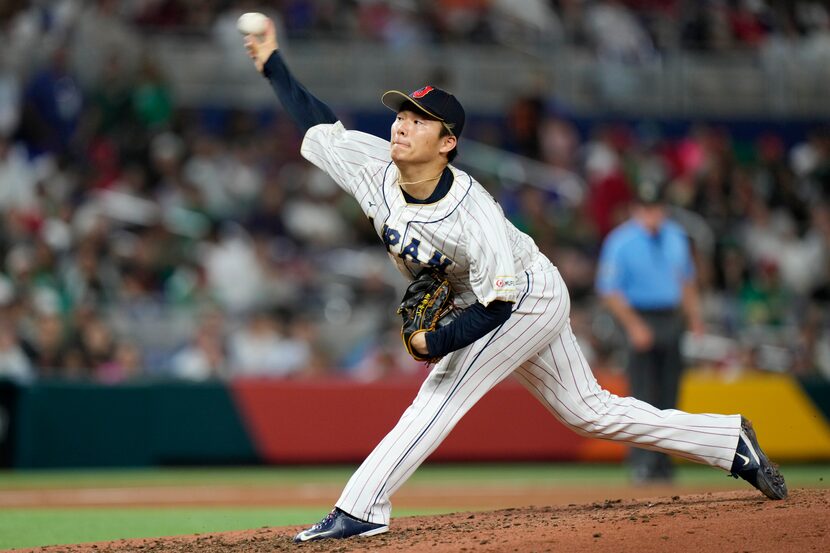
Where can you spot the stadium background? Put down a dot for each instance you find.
(178, 287)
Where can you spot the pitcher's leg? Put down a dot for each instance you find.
(456, 383)
(454, 386)
(441, 402)
(561, 379)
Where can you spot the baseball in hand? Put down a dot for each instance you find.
(252, 23)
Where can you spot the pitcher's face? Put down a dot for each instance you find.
(417, 138)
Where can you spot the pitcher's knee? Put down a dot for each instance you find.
(583, 428)
(585, 422)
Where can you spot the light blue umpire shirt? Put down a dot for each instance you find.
(648, 270)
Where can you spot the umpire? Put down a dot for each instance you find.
(646, 279)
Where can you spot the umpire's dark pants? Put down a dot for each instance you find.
(654, 377)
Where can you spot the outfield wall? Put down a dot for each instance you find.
(55, 424)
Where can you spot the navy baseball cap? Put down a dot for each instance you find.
(433, 101)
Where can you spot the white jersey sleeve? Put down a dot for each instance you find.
(343, 154)
(492, 266)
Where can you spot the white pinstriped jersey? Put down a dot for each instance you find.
(465, 233)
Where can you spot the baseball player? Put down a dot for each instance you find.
(429, 214)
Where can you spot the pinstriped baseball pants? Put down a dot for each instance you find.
(539, 348)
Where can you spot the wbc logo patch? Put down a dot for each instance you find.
(421, 92)
(504, 283)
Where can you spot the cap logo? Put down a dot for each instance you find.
(421, 92)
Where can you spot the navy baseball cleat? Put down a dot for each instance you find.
(339, 524)
(752, 465)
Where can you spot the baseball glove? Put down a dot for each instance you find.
(426, 305)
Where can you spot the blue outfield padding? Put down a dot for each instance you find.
(89, 425)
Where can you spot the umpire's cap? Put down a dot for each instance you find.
(651, 191)
(433, 101)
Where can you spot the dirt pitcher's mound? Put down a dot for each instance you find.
(724, 521)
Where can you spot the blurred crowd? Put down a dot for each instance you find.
(632, 28)
(140, 239)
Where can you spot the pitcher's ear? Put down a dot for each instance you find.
(450, 142)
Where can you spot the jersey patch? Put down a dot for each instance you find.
(504, 284)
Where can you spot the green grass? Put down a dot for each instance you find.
(33, 527)
(40, 527)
